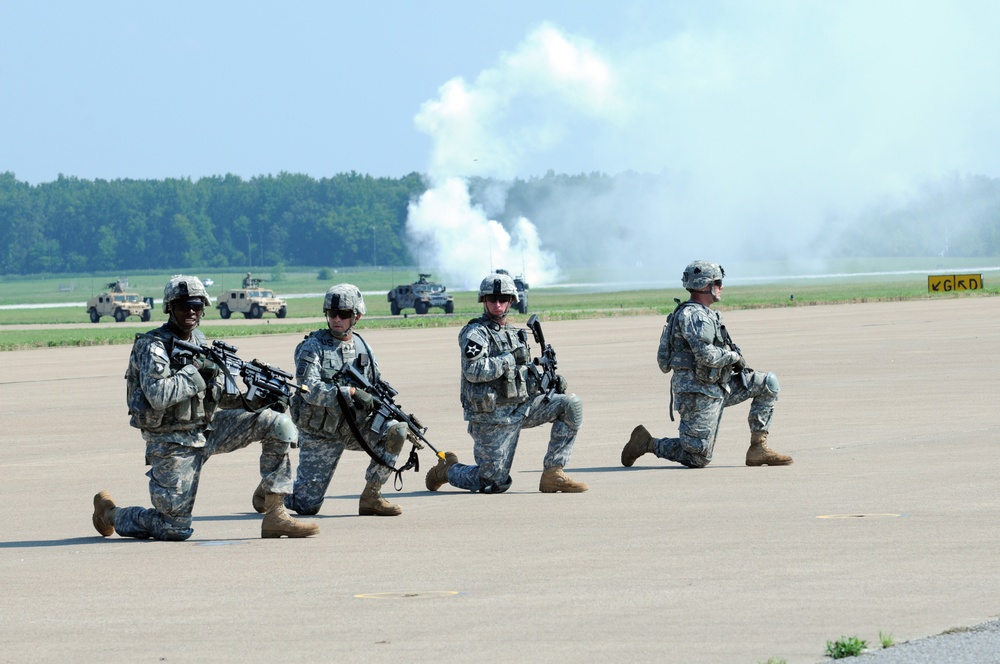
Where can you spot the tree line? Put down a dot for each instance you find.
(72, 225)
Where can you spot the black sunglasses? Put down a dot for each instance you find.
(191, 305)
(342, 314)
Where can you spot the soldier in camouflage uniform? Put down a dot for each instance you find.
(500, 396)
(710, 374)
(185, 419)
(324, 432)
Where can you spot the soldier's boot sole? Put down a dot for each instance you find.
(104, 521)
(637, 445)
(438, 475)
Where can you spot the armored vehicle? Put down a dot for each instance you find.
(420, 296)
(522, 291)
(119, 303)
(251, 301)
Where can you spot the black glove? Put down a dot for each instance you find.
(561, 384)
(521, 355)
(208, 369)
(363, 400)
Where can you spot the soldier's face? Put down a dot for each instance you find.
(186, 315)
(340, 320)
(497, 306)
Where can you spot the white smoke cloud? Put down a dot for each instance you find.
(758, 124)
(488, 129)
(461, 241)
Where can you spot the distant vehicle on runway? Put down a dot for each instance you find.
(421, 295)
(252, 302)
(119, 303)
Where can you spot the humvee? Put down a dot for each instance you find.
(522, 291)
(251, 301)
(421, 295)
(119, 303)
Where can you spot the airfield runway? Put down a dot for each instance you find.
(887, 522)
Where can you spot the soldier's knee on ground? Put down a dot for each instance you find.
(573, 412)
(307, 511)
(495, 487)
(696, 461)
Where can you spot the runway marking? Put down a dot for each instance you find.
(407, 595)
(856, 516)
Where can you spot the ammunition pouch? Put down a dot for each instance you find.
(479, 397)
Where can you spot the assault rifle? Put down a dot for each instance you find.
(386, 407)
(745, 371)
(266, 384)
(547, 379)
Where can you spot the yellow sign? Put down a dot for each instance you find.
(944, 283)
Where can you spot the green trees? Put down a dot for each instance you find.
(73, 225)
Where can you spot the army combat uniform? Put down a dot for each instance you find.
(704, 383)
(500, 396)
(324, 432)
(184, 423)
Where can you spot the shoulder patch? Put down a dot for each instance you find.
(159, 352)
(473, 349)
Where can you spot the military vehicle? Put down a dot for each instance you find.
(420, 296)
(522, 291)
(252, 301)
(119, 303)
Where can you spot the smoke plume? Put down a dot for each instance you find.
(491, 128)
(737, 136)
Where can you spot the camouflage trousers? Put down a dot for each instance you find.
(320, 455)
(701, 414)
(494, 446)
(176, 469)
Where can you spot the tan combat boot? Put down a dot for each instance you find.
(104, 514)
(438, 475)
(555, 480)
(277, 523)
(640, 443)
(373, 504)
(258, 498)
(760, 454)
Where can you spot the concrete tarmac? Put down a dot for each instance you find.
(886, 522)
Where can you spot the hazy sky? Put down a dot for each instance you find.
(169, 89)
(154, 89)
(773, 115)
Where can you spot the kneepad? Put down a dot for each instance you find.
(771, 384)
(395, 438)
(573, 412)
(283, 428)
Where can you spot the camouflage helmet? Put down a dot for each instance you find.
(182, 287)
(344, 296)
(498, 284)
(700, 275)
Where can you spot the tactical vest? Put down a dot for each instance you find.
(512, 388)
(323, 420)
(675, 352)
(192, 414)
